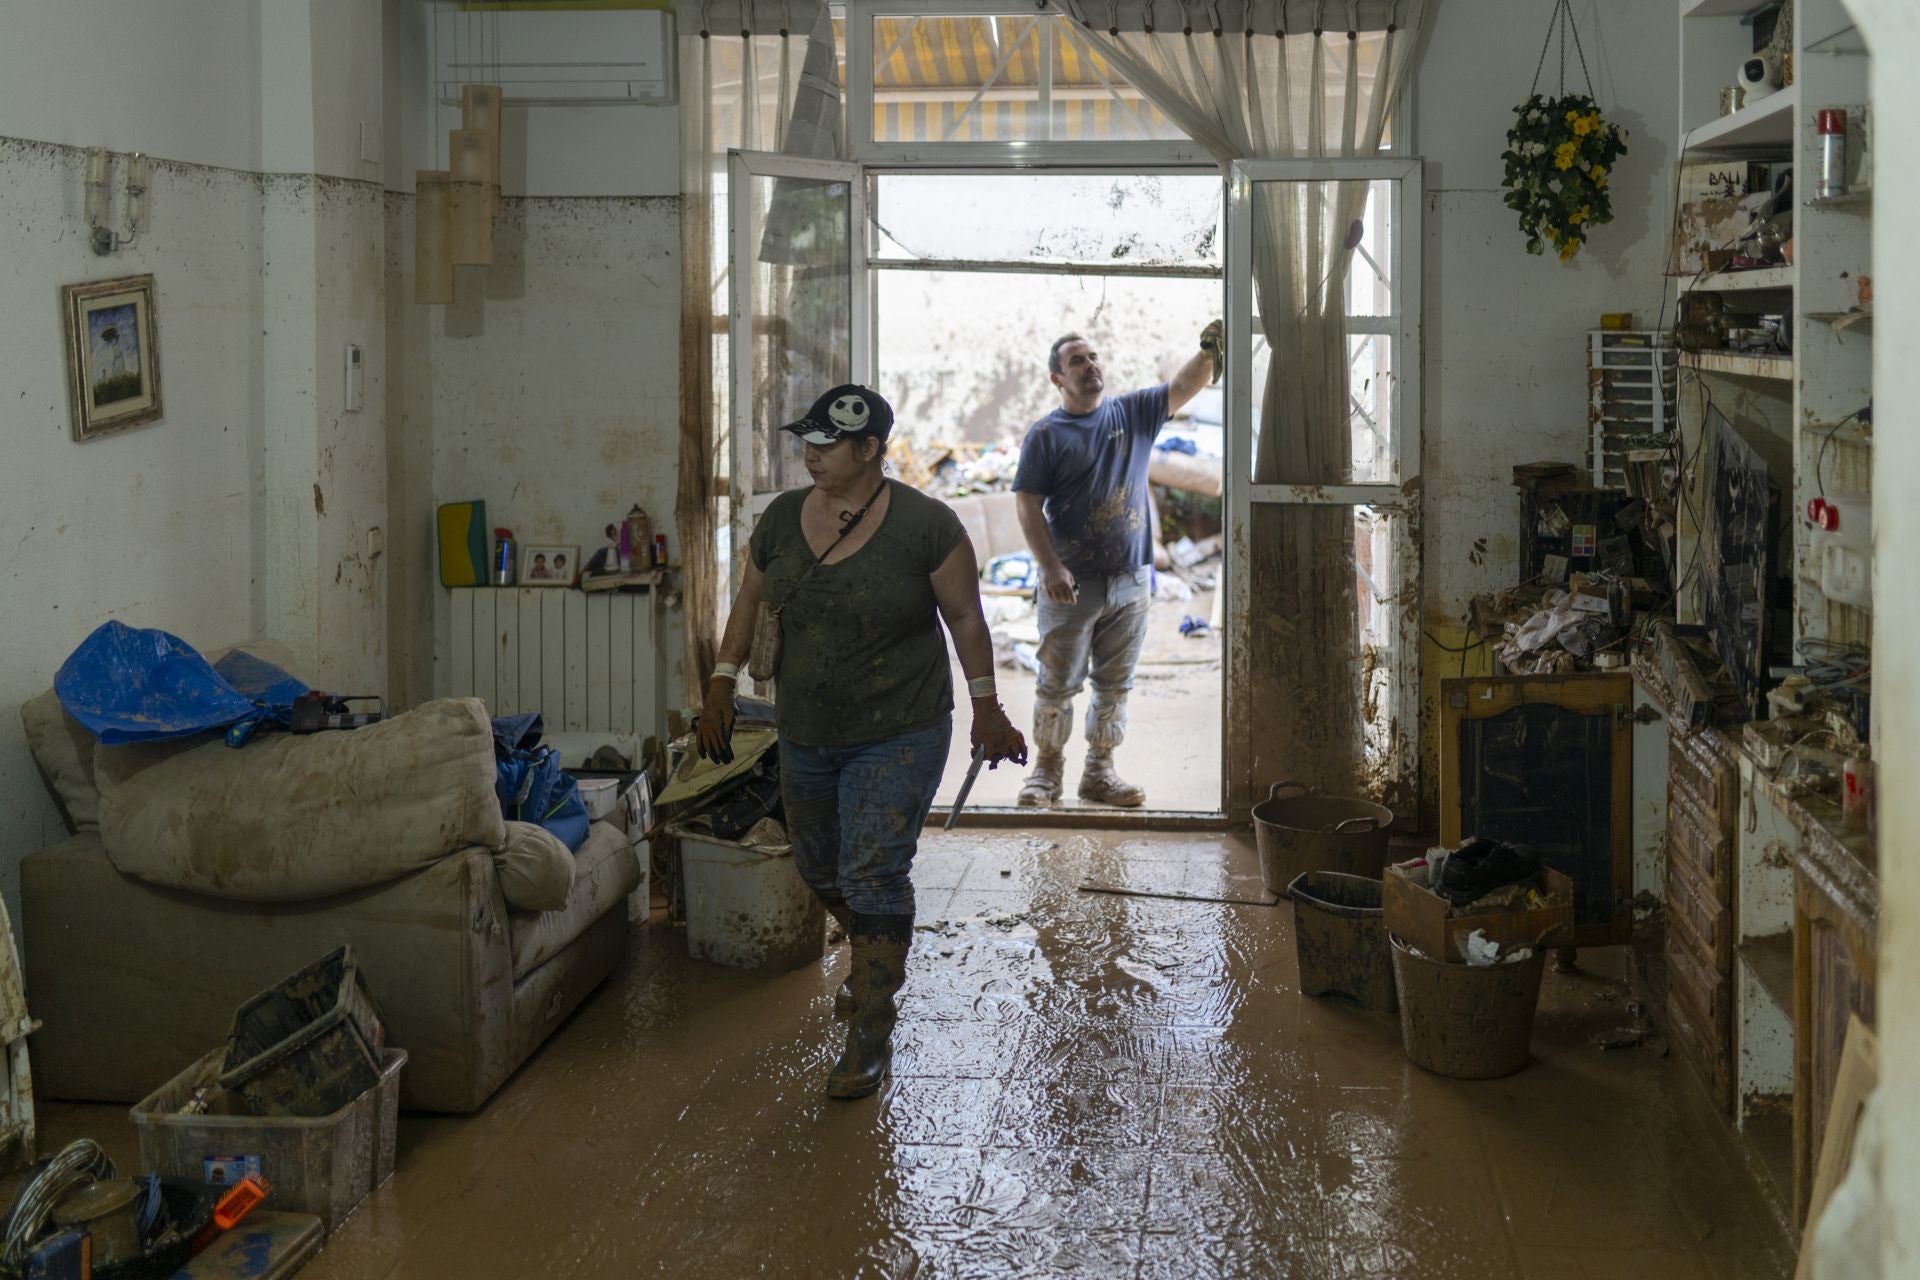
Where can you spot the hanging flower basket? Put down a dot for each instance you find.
(1559, 154)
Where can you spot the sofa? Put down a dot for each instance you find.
(182, 892)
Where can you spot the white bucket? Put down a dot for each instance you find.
(748, 908)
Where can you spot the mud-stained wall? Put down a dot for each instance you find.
(154, 525)
(1504, 333)
(548, 389)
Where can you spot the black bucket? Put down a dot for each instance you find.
(1341, 941)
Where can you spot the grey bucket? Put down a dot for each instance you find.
(1472, 1022)
(1340, 939)
(1310, 831)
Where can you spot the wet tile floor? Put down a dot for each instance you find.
(1084, 1085)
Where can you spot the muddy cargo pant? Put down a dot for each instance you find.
(854, 815)
(1099, 634)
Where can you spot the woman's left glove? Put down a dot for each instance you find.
(1213, 341)
(994, 733)
(715, 723)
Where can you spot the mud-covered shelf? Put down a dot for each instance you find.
(1753, 278)
(1770, 958)
(1768, 123)
(1774, 368)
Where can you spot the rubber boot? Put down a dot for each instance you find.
(1100, 784)
(843, 916)
(1042, 787)
(880, 946)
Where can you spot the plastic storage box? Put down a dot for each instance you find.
(309, 1044)
(324, 1166)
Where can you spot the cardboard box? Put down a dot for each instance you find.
(1428, 921)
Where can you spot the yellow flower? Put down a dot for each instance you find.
(1581, 216)
(1568, 249)
(1563, 155)
(1599, 177)
(1582, 125)
(1553, 234)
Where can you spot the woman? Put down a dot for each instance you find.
(856, 569)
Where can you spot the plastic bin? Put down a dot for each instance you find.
(748, 908)
(1340, 940)
(1473, 1022)
(309, 1044)
(323, 1166)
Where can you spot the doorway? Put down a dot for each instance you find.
(973, 275)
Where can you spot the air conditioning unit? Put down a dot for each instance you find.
(556, 57)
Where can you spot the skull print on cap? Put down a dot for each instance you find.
(845, 411)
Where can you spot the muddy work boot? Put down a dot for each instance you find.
(1100, 784)
(843, 916)
(880, 946)
(1042, 787)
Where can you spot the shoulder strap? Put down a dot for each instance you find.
(821, 559)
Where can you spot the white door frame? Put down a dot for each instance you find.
(745, 505)
(1399, 495)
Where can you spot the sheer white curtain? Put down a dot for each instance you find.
(741, 70)
(1288, 79)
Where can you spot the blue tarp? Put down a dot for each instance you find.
(126, 684)
(530, 783)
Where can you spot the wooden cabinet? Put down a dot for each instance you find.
(1702, 800)
(1835, 915)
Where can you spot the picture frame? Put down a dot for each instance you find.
(550, 564)
(113, 354)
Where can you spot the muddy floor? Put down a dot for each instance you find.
(1085, 1085)
(1173, 732)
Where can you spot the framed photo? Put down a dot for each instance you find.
(549, 566)
(113, 354)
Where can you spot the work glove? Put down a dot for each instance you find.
(1213, 341)
(995, 734)
(713, 727)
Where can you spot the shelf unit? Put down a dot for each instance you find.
(1797, 411)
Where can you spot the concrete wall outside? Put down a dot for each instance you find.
(1504, 333)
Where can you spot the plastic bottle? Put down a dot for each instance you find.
(659, 550)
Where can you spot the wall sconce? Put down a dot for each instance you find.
(100, 200)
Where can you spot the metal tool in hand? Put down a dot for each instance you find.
(973, 772)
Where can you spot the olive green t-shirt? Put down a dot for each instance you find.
(862, 656)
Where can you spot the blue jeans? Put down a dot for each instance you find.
(854, 814)
(1101, 634)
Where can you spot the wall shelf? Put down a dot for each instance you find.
(1770, 959)
(1731, 281)
(1774, 368)
(1767, 123)
(1859, 200)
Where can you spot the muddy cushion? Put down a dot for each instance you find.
(64, 751)
(607, 872)
(288, 819)
(535, 869)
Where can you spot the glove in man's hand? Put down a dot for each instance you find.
(1213, 341)
(993, 731)
(713, 727)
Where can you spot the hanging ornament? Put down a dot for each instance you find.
(432, 263)
(480, 113)
(470, 198)
(1560, 152)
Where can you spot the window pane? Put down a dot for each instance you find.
(1136, 220)
(1092, 102)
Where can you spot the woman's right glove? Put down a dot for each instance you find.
(713, 727)
(994, 733)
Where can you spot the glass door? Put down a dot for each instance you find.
(797, 315)
(1323, 460)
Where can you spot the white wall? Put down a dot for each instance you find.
(549, 389)
(1505, 333)
(153, 525)
(1893, 31)
(184, 524)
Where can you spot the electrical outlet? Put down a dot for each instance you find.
(369, 142)
(354, 378)
(376, 542)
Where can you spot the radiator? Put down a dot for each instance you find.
(585, 662)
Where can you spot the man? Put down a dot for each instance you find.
(1082, 494)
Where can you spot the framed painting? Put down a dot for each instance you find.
(113, 354)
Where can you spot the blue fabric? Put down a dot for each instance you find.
(854, 814)
(531, 785)
(126, 684)
(1092, 470)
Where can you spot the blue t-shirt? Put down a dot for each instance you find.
(1092, 470)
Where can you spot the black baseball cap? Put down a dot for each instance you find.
(843, 413)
